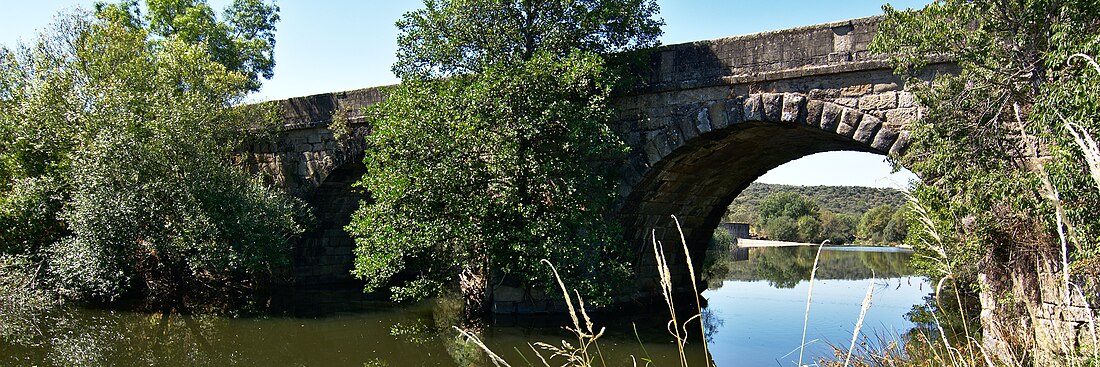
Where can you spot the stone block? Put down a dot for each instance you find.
(886, 87)
(753, 108)
(687, 130)
(654, 150)
(879, 101)
(793, 106)
(735, 110)
(906, 100)
(901, 116)
(847, 102)
(868, 126)
(856, 90)
(849, 122)
(885, 139)
(716, 114)
(830, 116)
(702, 121)
(901, 144)
(773, 106)
(813, 112)
(824, 94)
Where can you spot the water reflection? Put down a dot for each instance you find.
(761, 300)
(754, 317)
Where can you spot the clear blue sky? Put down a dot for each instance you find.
(324, 46)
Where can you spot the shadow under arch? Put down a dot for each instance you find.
(699, 165)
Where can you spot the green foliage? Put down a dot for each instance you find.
(116, 160)
(884, 224)
(806, 213)
(243, 42)
(786, 204)
(838, 228)
(782, 228)
(809, 228)
(456, 37)
(994, 133)
(851, 200)
(495, 152)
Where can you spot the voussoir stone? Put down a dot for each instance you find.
(792, 107)
(773, 106)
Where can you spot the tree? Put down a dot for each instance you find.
(494, 152)
(786, 204)
(997, 147)
(872, 226)
(838, 228)
(243, 42)
(116, 159)
(782, 228)
(809, 229)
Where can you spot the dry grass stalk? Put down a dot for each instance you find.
(694, 287)
(862, 314)
(497, 361)
(809, 300)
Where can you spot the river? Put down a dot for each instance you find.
(754, 317)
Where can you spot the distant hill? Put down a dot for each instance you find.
(853, 200)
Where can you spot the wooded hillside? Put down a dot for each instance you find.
(852, 200)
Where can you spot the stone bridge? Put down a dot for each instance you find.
(708, 119)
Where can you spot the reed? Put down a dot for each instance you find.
(809, 301)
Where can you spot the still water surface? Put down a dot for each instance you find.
(754, 318)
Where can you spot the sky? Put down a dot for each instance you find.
(327, 45)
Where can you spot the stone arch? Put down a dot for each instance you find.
(708, 153)
(326, 253)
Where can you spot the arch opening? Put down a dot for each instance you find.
(698, 177)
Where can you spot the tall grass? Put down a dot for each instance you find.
(580, 354)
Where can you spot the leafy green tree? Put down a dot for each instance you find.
(838, 228)
(898, 228)
(997, 149)
(116, 158)
(809, 229)
(993, 144)
(495, 152)
(782, 228)
(243, 42)
(786, 204)
(872, 226)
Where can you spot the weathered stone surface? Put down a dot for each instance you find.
(830, 117)
(901, 144)
(773, 106)
(902, 116)
(735, 110)
(753, 108)
(868, 126)
(885, 139)
(886, 87)
(879, 101)
(702, 121)
(848, 102)
(906, 100)
(849, 122)
(858, 90)
(793, 105)
(716, 114)
(814, 110)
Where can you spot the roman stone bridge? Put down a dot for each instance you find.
(708, 118)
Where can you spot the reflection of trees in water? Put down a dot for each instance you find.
(785, 267)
